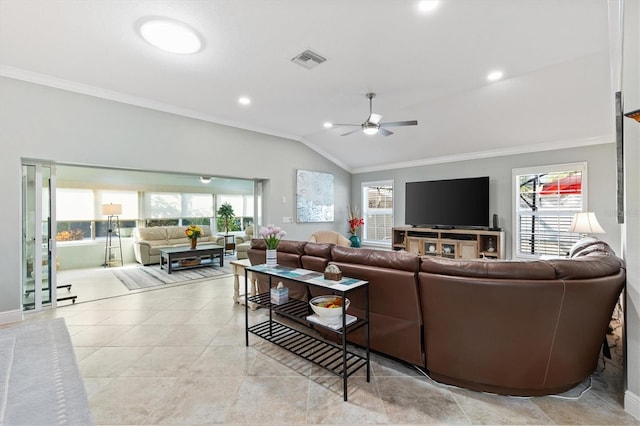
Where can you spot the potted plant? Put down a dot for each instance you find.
(226, 212)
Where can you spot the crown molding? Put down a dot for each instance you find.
(548, 146)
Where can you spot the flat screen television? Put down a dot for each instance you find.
(451, 203)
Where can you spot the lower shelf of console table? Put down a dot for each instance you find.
(318, 351)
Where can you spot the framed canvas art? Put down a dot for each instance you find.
(314, 196)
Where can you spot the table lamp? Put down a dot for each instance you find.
(585, 223)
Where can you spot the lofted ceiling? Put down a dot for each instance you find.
(555, 56)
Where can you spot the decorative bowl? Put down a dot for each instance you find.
(328, 308)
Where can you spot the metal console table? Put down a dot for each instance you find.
(321, 352)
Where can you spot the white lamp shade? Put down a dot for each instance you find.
(585, 223)
(112, 209)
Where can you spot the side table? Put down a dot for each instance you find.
(229, 243)
(238, 270)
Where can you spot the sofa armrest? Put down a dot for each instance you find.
(142, 252)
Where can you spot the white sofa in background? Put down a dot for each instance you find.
(243, 247)
(147, 242)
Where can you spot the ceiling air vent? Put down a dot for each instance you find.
(308, 59)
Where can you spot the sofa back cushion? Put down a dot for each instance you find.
(384, 259)
(316, 256)
(593, 265)
(482, 268)
(154, 233)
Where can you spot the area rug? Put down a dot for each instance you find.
(138, 277)
(40, 383)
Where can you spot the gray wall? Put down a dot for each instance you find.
(38, 122)
(601, 169)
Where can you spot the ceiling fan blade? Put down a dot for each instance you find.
(384, 131)
(352, 131)
(342, 124)
(401, 123)
(374, 118)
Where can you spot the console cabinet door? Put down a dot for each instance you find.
(414, 245)
(468, 250)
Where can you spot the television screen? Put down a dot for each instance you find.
(458, 203)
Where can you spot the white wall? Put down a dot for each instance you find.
(631, 94)
(38, 122)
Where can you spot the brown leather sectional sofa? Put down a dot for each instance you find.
(508, 327)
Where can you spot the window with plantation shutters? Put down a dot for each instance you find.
(546, 198)
(377, 211)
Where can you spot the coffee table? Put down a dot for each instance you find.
(170, 255)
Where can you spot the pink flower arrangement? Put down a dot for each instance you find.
(272, 236)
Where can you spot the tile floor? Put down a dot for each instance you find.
(177, 356)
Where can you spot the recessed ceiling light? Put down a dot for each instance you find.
(328, 125)
(170, 35)
(495, 75)
(243, 100)
(428, 6)
(205, 179)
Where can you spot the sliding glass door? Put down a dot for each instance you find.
(38, 247)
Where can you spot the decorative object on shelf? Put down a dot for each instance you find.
(491, 245)
(585, 223)
(280, 294)
(189, 262)
(329, 308)
(355, 241)
(432, 248)
(193, 232)
(332, 272)
(226, 212)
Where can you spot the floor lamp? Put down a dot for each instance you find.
(112, 211)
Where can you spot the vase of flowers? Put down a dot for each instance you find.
(193, 232)
(272, 236)
(355, 221)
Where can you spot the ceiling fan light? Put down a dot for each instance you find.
(370, 130)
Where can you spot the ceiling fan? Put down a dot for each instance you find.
(372, 125)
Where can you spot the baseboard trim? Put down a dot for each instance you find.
(632, 404)
(11, 316)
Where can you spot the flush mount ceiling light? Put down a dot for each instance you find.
(170, 35)
(243, 100)
(495, 75)
(428, 6)
(328, 125)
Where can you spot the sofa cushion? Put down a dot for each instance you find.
(153, 233)
(318, 250)
(587, 266)
(481, 268)
(394, 260)
(285, 246)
